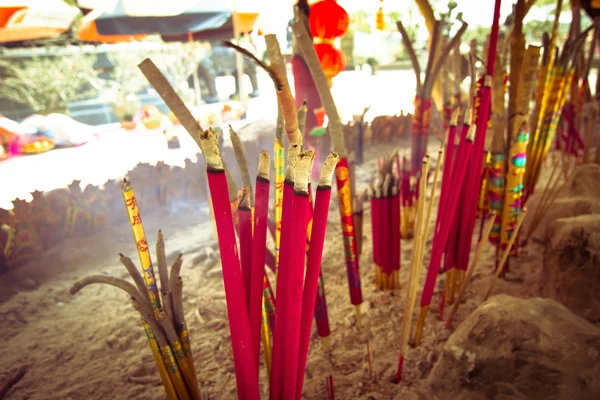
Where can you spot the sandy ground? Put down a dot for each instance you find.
(92, 346)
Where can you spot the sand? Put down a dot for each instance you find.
(92, 346)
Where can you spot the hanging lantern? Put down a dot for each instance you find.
(328, 20)
(332, 60)
(380, 19)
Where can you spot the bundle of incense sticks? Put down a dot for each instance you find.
(385, 225)
(423, 101)
(163, 321)
(305, 44)
(551, 97)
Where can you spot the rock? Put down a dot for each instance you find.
(566, 207)
(511, 348)
(571, 267)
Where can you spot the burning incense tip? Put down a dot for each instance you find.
(243, 199)
(302, 172)
(487, 81)
(293, 152)
(468, 117)
(454, 120)
(264, 162)
(210, 147)
(126, 185)
(121, 255)
(386, 184)
(328, 169)
(471, 134)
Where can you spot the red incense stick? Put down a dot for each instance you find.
(239, 325)
(259, 245)
(313, 266)
(386, 234)
(472, 183)
(447, 175)
(245, 234)
(297, 255)
(376, 206)
(395, 235)
(440, 239)
(321, 316)
(283, 272)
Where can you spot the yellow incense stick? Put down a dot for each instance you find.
(415, 271)
(139, 236)
(279, 164)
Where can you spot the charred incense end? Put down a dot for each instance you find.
(264, 165)
(454, 120)
(471, 134)
(210, 146)
(328, 169)
(487, 81)
(302, 172)
(126, 185)
(293, 152)
(386, 184)
(243, 199)
(468, 116)
(395, 188)
(160, 237)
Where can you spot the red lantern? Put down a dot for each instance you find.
(328, 20)
(332, 60)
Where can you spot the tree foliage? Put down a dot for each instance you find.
(48, 84)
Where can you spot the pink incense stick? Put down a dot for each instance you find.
(395, 218)
(386, 229)
(472, 185)
(239, 325)
(321, 315)
(283, 273)
(376, 203)
(245, 234)
(313, 266)
(259, 245)
(297, 256)
(449, 162)
(441, 237)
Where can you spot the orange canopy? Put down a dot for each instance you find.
(34, 19)
(88, 32)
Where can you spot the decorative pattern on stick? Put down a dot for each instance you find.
(343, 184)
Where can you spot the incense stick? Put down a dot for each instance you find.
(413, 277)
(240, 156)
(256, 308)
(313, 269)
(505, 254)
(297, 253)
(234, 291)
(474, 263)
